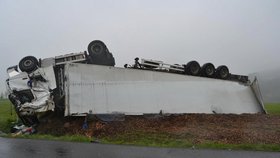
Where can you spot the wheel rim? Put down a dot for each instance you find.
(96, 49)
(224, 73)
(27, 63)
(209, 70)
(194, 69)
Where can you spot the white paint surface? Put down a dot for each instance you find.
(103, 90)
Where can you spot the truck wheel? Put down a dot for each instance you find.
(99, 54)
(192, 68)
(28, 64)
(96, 48)
(208, 70)
(111, 59)
(222, 72)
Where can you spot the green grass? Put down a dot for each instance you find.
(7, 115)
(146, 139)
(70, 138)
(273, 108)
(165, 140)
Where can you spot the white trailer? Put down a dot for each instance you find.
(107, 90)
(88, 83)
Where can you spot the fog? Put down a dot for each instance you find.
(242, 34)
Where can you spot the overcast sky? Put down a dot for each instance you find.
(242, 34)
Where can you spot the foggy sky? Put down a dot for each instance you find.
(242, 34)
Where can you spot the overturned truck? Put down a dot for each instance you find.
(88, 83)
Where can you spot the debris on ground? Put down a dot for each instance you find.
(22, 129)
(221, 128)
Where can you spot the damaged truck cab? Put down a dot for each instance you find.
(39, 86)
(31, 93)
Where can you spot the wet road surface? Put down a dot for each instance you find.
(25, 148)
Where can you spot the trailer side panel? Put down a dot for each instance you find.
(105, 90)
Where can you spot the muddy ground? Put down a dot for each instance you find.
(197, 128)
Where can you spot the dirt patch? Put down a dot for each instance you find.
(229, 129)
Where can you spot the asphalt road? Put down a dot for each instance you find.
(25, 148)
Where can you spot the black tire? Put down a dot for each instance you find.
(28, 64)
(99, 54)
(193, 68)
(96, 48)
(111, 61)
(208, 70)
(222, 72)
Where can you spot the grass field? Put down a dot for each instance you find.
(273, 108)
(165, 140)
(8, 116)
